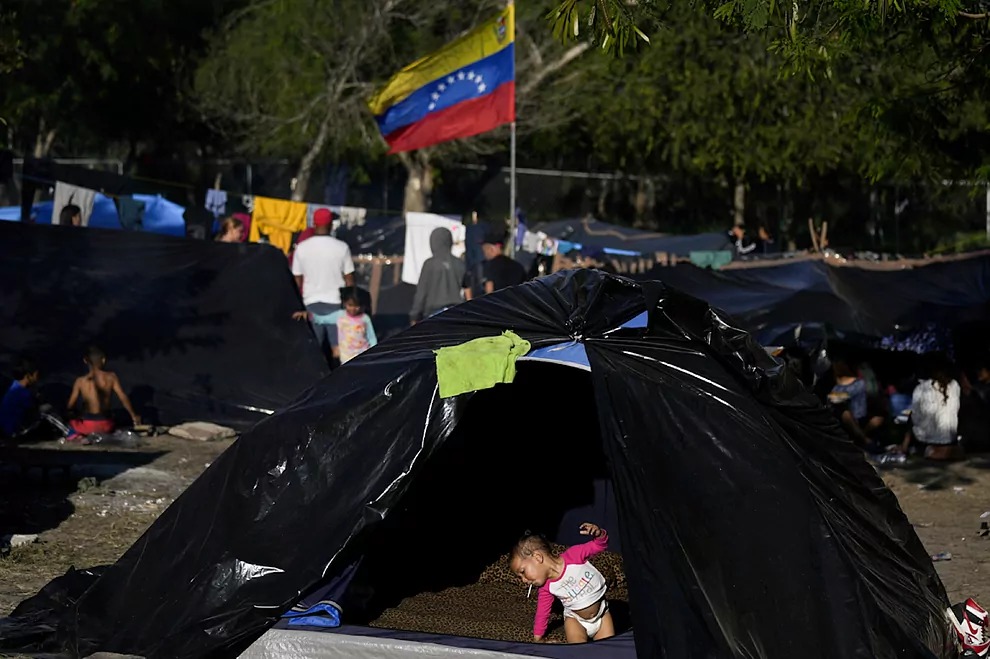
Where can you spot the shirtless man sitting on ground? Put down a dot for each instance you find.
(96, 389)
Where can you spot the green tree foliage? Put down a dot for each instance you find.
(707, 101)
(278, 84)
(79, 74)
(802, 30)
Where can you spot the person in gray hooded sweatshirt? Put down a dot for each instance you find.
(440, 280)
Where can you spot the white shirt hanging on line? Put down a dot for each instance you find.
(66, 194)
(419, 226)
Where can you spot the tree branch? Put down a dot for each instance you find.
(572, 53)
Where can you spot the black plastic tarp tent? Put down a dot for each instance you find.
(771, 300)
(195, 329)
(749, 525)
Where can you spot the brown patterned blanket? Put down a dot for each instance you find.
(495, 607)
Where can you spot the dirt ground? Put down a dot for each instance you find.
(90, 517)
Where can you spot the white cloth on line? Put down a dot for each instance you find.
(66, 194)
(216, 202)
(419, 226)
(351, 216)
(348, 216)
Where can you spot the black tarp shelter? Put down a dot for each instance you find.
(770, 301)
(195, 329)
(749, 525)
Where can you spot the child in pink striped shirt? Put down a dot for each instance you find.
(578, 585)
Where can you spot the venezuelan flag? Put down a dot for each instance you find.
(466, 88)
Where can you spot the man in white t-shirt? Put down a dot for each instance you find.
(322, 266)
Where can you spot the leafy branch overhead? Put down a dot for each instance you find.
(800, 29)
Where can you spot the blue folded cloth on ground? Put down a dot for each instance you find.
(324, 613)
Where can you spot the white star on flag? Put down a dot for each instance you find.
(432, 106)
(441, 86)
(435, 96)
(450, 80)
(460, 75)
(470, 75)
(481, 88)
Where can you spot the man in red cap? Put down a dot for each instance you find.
(322, 266)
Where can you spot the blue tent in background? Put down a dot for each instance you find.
(40, 213)
(160, 215)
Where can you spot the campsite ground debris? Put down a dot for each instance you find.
(91, 526)
(91, 517)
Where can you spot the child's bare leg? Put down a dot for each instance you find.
(607, 629)
(574, 631)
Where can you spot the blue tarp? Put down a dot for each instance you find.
(40, 213)
(590, 236)
(160, 215)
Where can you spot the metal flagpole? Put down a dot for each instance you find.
(513, 220)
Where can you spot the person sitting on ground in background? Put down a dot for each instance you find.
(974, 410)
(440, 280)
(70, 215)
(578, 585)
(849, 397)
(848, 394)
(499, 270)
(740, 241)
(354, 332)
(765, 243)
(22, 418)
(231, 231)
(935, 413)
(95, 389)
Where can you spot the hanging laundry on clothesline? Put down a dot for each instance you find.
(539, 243)
(216, 202)
(346, 216)
(131, 212)
(277, 220)
(351, 216)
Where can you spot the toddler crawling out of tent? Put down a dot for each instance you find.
(493, 606)
(569, 577)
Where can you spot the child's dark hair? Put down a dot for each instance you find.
(528, 544)
(95, 356)
(23, 367)
(68, 212)
(351, 294)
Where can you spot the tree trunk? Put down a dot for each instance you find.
(44, 141)
(42, 147)
(789, 227)
(739, 202)
(419, 183)
(644, 200)
(601, 207)
(301, 181)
